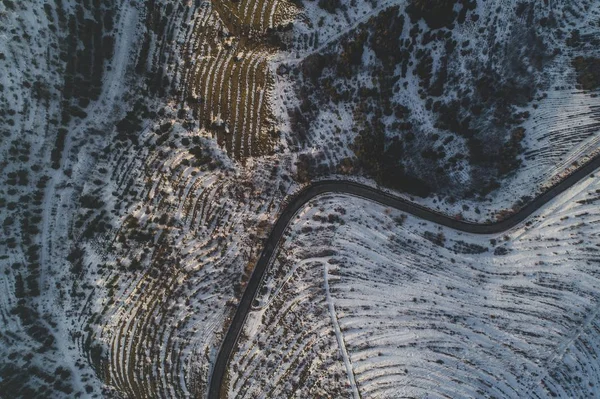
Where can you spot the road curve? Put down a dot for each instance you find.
(360, 190)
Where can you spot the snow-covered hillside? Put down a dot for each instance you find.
(487, 106)
(63, 74)
(364, 300)
(146, 148)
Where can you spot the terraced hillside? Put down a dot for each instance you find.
(227, 80)
(190, 218)
(164, 282)
(147, 147)
(371, 303)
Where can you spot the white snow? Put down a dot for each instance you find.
(419, 319)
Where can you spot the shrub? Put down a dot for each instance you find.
(330, 5)
(588, 72)
(436, 13)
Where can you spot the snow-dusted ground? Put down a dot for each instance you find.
(425, 311)
(32, 84)
(24, 43)
(145, 314)
(562, 129)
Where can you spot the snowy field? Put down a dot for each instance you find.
(383, 305)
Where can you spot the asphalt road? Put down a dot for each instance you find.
(373, 194)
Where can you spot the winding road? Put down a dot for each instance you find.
(373, 194)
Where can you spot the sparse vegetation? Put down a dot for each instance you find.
(147, 148)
